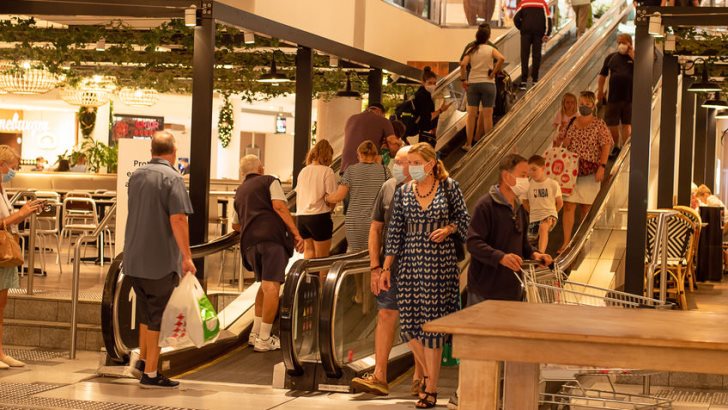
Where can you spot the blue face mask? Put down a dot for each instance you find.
(9, 176)
(417, 172)
(398, 173)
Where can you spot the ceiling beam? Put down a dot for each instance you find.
(110, 8)
(689, 16)
(224, 13)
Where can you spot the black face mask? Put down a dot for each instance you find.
(585, 110)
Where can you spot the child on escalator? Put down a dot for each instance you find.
(543, 202)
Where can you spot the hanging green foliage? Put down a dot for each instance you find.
(161, 58)
(87, 121)
(225, 122)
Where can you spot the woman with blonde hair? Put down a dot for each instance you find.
(9, 219)
(313, 214)
(429, 223)
(566, 113)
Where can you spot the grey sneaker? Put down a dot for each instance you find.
(251, 339)
(452, 404)
(271, 343)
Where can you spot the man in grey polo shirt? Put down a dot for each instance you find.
(157, 247)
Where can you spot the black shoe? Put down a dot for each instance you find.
(138, 369)
(615, 152)
(522, 86)
(159, 382)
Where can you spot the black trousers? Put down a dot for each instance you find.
(531, 44)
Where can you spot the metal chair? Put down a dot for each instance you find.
(80, 217)
(48, 224)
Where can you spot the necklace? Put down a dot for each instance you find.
(432, 188)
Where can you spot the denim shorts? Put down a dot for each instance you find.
(481, 94)
(388, 299)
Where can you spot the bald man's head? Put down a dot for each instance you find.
(163, 144)
(402, 152)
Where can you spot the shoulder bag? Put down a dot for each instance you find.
(10, 254)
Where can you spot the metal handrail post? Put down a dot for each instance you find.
(31, 254)
(77, 271)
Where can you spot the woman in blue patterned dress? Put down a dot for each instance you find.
(428, 214)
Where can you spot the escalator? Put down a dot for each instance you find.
(305, 314)
(346, 327)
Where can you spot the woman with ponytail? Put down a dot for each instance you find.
(425, 107)
(479, 82)
(429, 223)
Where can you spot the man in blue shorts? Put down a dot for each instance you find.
(376, 383)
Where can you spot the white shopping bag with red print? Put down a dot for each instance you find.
(563, 166)
(189, 316)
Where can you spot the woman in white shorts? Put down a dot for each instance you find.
(589, 138)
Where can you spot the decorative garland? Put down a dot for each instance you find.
(225, 122)
(161, 58)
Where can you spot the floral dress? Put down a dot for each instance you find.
(428, 274)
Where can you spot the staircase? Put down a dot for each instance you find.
(44, 321)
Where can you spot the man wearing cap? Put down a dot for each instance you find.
(368, 125)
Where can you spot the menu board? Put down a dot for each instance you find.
(134, 126)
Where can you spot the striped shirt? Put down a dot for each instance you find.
(364, 181)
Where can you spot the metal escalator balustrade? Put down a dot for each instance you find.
(299, 310)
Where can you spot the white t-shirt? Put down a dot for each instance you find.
(541, 198)
(314, 183)
(481, 60)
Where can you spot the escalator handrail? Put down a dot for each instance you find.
(329, 299)
(579, 240)
(289, 301)
(471, 179)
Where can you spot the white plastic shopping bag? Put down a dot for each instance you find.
(563, 166)
(189, 316)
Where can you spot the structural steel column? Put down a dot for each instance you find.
(203, 61)
(710, 148)
(639, 160)
(666, 176)
(700, 140)
(374, 80)
(304, 101)
(685, 162)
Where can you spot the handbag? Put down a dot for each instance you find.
(10, 254)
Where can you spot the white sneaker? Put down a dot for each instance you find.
(4, 366)
(272, 343)
(251, 339)
(12, 362)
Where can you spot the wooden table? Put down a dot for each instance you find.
(524, 335)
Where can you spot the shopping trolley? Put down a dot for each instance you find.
(543, 285)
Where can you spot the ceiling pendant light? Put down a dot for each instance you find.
(191, 19)
(273, 76)
(348, 93)
(139, 97)
(249, 37)
(26, 80)
(715, 102)
(101, 44)
(722, 115)
(704, 85)
(85, 98)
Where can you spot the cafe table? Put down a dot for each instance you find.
(524, 335)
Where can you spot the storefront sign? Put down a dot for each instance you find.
(133, 153)
(135, 126)
(15, 124)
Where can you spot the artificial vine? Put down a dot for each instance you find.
(225, 122)
(87, 121)
(160, 58)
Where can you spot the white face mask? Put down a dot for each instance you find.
(521, 187)
(622, 48)
(430, 88)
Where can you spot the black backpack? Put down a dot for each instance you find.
(407, 113)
